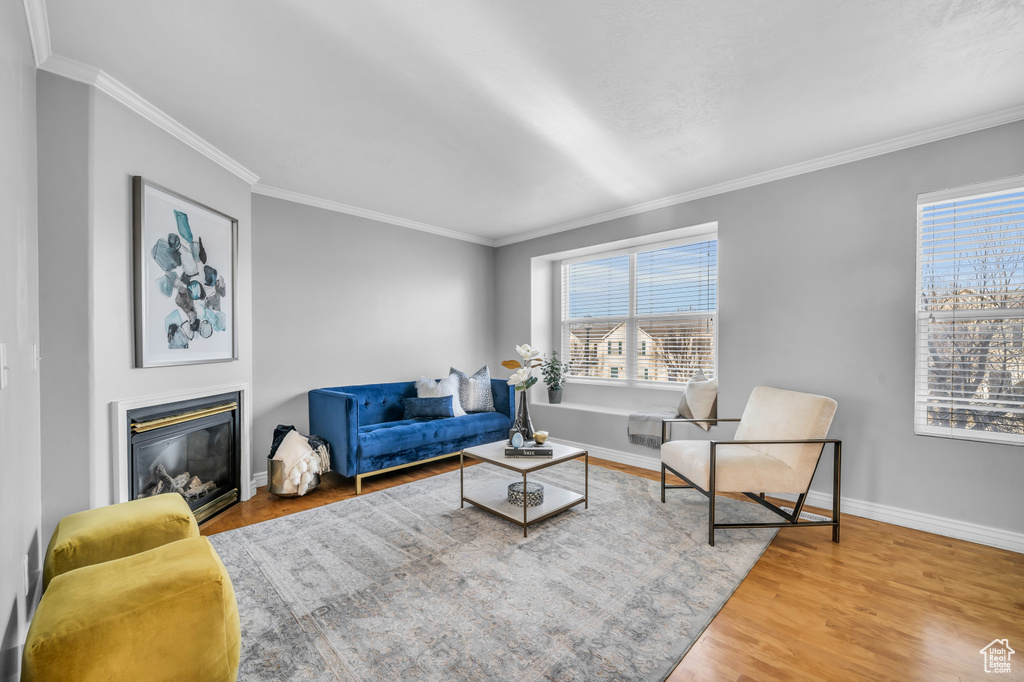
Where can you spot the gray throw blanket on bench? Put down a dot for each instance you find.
(644, 428)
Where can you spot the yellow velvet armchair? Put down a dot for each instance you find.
(133, 593)
(119, 530)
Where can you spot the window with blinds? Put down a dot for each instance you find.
(970, 313)
(642, 315)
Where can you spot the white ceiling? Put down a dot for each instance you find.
(499, 118)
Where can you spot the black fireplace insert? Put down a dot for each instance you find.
(189, 447)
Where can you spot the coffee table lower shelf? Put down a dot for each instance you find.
(494, 498)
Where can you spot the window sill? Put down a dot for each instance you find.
(976, 436)
(630, 383)
(586, 407)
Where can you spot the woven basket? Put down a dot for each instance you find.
(276, 479)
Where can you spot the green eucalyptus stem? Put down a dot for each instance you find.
(526, 384)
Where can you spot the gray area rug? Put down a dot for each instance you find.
(402, 584)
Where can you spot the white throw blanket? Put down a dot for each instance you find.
(644, 428)
(300, 462)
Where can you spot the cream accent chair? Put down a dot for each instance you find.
(776, 449)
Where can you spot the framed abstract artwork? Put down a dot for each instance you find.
(185, 262)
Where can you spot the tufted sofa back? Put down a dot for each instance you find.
(380, 403)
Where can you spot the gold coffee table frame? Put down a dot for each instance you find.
(493, 497)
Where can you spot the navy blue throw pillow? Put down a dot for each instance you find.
(428, 408)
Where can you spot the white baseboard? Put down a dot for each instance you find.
(652, 463)
(929, 523)
(258, 481)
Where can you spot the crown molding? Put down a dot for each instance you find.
(338, 207)
(38, 30)
(39, 34)
(857, 154)
(936, 134)
(108, 85)
(71, 69)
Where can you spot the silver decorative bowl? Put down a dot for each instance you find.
(534, 494)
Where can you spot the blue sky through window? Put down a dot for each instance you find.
(599, 288)
(974, 247)
(674, 279)
(677, 279)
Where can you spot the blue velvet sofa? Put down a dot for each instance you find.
(368, 433)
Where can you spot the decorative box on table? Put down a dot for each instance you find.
(534, 494)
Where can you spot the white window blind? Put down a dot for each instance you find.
(648, 314)
(970, 313)
(676, 300)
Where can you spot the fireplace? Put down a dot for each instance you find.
(189, 447)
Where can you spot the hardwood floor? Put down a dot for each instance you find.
(888, 603)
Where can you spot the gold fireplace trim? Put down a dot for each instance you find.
(142, 427)
(211, 508)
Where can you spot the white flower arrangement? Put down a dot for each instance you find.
(522, 376)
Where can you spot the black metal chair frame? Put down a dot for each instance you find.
(792, 519)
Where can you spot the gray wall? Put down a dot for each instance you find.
(19, 329)
(345, 300)
(87, 233)
(124, 144)
(66, 371)
(816, 293)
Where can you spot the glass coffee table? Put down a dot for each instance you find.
(494, 497)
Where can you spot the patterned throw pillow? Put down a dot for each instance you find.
(475, 391)
(428, 388)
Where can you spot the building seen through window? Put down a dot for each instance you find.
(656, 309)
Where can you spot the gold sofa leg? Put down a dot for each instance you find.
(360, 477)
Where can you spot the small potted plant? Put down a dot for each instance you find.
(553, 370)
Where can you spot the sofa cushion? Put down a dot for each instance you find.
(409, 434)
(388, 425)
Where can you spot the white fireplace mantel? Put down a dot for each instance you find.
(119, 427)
